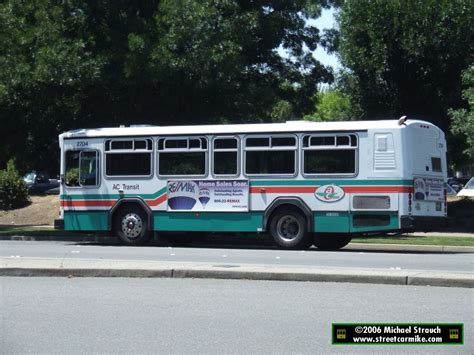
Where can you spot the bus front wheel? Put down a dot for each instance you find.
(288, 229)
(331, 242)
(130, 225)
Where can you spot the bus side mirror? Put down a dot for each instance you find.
(61, 179)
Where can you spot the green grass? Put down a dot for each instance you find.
(36, 231)
(418, 240)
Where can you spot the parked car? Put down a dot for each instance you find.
(468, 189)
(39, 183)
(450, 190)
(454, 184)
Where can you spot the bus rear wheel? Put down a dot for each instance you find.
(288, 229)
(331, 242)
(131, 225)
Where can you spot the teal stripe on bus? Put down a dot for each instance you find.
(86, 220)
(331, 181)
(251, 221)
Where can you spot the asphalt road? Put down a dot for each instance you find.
(313, 258)
(85, 315)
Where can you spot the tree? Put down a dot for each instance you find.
(405, 57)
(90, 63)
(462, 120)
(333, 105)
(45, 67)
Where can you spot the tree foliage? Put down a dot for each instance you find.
(333, 105)
(405, 57)
(462, 120)
(90, 63)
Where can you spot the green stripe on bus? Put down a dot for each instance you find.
(392, 225)
(343, 222)
(208, 222)
(113, 196)
(331, 222)
(331, 181)
(86, 220)
(323, 222)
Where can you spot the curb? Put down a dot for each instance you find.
(31, 267)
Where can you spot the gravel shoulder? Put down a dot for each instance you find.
(42, 210)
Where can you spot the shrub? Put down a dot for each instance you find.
(72, 177)
(13, 190)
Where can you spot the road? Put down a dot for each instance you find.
(313, 258)
(84, 315)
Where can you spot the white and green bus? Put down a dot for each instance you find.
(304, 183)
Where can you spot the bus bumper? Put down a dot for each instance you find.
(423, 224)
(59, 224)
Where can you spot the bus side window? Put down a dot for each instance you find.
(182, 156)
(88, 168)
(225, 156)
(330, 155)
(81, 168)
(273, 155)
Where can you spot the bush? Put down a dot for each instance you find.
(13, 190)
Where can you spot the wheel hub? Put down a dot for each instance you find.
(288, 228)
(132, 225)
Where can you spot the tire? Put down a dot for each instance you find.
(131, 225)
(289, 229)
(334, 242)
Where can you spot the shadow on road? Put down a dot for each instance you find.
(249, 242)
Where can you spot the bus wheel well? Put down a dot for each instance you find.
(285, 204)
(130, 203)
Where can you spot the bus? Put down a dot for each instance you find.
(304, 183)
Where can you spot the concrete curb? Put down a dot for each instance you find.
(33, 267)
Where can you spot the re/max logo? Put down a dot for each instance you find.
(181, 186)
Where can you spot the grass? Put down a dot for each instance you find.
(400, 239)
(36, 231)
(418, 240)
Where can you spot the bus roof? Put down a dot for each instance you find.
(229, 129)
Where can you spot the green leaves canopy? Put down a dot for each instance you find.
(463, 119)
(83, 63)
(406, 56)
